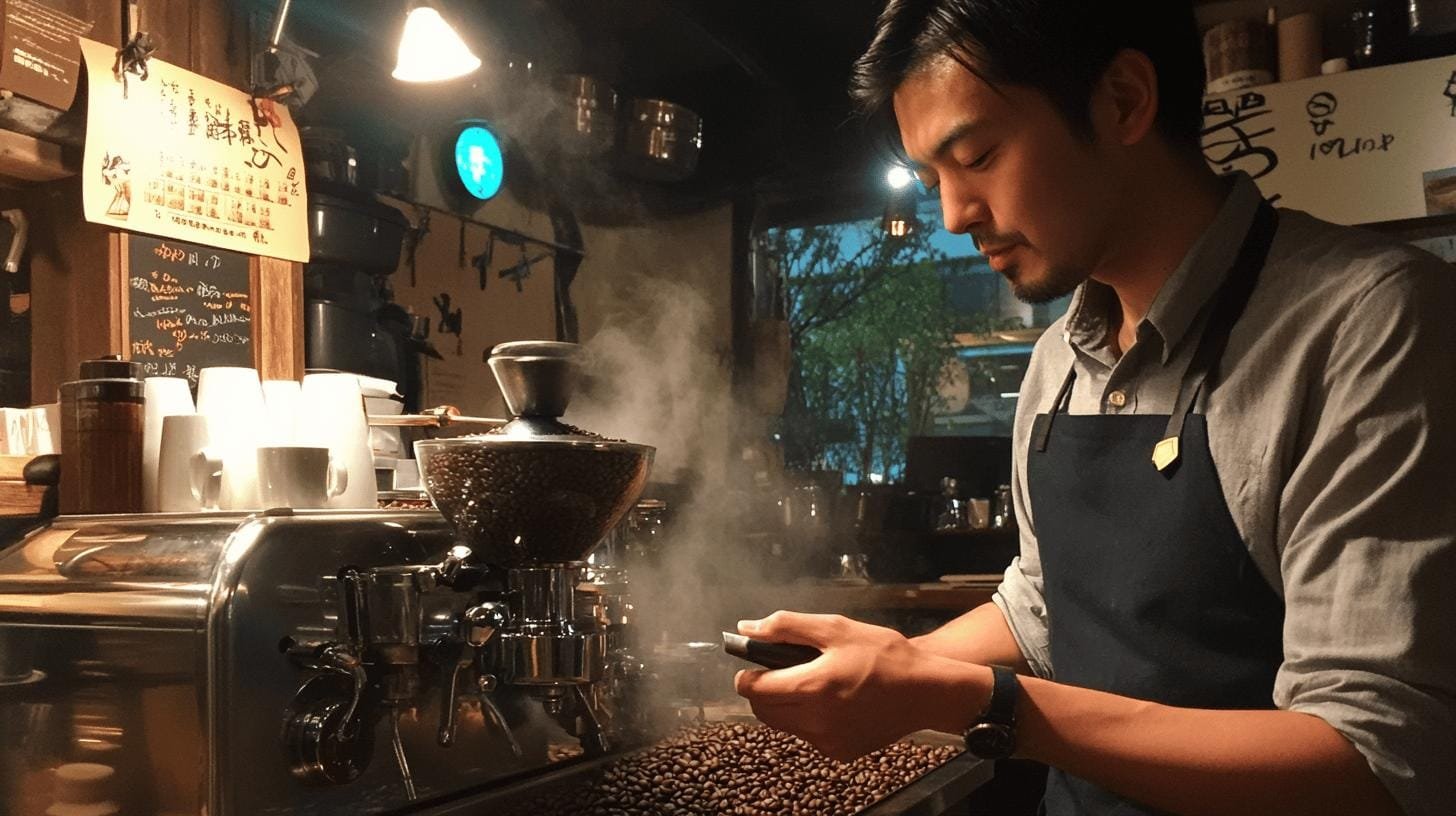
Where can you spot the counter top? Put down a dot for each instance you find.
(830, 597)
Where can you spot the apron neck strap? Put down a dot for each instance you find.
(1233, 297)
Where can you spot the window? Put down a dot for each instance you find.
(892, 337)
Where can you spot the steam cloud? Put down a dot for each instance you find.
(656, 379)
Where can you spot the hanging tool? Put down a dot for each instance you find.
(415, 236)
(481, 262)
(137, 47)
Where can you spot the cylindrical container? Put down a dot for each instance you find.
(1237, 54)
(165, 396)
(281, 402)
(1300, 46)
(332, 415)
(232, 400)
(662, 140)
(102, 436)
(110, 368)
(1381, 30)
(1003, 514)
(590, 123)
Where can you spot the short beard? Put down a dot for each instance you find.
(1059, 282)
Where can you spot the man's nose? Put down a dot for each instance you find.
(962, 209)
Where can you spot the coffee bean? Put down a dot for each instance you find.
(738, 768)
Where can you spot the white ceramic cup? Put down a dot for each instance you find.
(165, 396)
(281, 400)
(299, 477)
(45, 421)
(189, 474)
(232, 400)
(332, 414)
(18, 431)
(384, 440)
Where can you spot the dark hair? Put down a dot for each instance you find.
(1058, 47)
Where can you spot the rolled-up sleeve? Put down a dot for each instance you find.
(1366, 523)
(1019, 596)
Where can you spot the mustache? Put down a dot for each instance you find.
(996, 239)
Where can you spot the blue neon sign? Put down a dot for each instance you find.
(478, 162)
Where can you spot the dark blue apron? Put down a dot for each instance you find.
(1150, 590)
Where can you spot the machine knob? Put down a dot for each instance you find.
(480, 623)
(324, 742)
(449, 570)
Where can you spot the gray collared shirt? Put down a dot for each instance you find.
(1333, 430)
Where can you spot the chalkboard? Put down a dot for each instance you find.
(189, 307)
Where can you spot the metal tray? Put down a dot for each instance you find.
(931, 795)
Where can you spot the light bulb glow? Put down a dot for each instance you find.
(899, 177)
(430, 50)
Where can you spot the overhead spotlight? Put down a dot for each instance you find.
(899, 177)
(430, 50)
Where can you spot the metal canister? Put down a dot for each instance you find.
(1003, 513)
(101, 434)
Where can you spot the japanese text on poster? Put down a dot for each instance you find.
(181, 156)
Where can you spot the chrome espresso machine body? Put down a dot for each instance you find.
(329, 662)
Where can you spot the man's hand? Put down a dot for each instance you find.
(870, 687)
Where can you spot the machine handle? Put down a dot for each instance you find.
(448, 571)
(334, 657)
(451, 704)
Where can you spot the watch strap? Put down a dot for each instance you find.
(1001, 710)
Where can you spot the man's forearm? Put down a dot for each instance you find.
(980, 636)
(1181, 760)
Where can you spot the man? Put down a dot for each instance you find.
(1231, 457)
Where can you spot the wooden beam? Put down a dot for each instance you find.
(278, 319)
(28, 159)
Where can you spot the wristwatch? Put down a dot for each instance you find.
(993, 735)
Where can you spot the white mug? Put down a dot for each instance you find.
(189, 474)
(165, 396)
(281, 399)
(332, 414)
(232, 400)
(299, 477)
(46, 423)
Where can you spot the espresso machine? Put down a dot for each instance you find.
(324, 662)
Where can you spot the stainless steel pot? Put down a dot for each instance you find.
(663, 140)
(589, 121)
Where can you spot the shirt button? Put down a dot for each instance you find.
(1117, 399)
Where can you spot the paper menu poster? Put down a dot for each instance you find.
(181, 156)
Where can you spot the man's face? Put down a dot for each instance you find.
(1036, 197)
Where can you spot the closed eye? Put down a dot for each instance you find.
(982, 160)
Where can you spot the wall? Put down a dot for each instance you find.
(694, 249)
(1358, 147)
(70, 261)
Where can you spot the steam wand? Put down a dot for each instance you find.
(399, 757)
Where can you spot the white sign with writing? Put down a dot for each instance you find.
(1354, 148)
(181, 156)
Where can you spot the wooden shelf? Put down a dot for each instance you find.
(26, 159)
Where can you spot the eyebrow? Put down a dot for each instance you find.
(960, 131)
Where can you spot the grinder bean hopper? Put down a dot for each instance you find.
(533, 498)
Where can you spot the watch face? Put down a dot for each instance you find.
(990, 741)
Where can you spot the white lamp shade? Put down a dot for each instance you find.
(430, 50)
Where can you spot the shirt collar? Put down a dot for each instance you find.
(1190, 287)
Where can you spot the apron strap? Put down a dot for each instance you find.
(1043, 428)
(1232, 299)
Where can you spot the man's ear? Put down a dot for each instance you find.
(1124, 104)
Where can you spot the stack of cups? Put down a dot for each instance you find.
(252, 445)
(332, 415)
(232, 400)
(165, 397)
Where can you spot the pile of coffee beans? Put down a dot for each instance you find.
(741, 768)
(516, 501)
